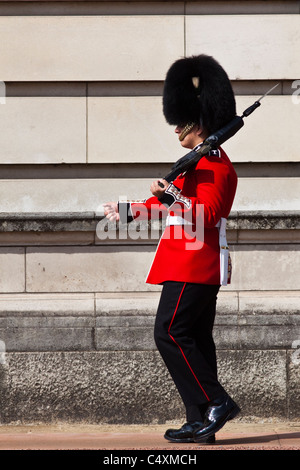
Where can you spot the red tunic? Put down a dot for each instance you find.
(203, 195)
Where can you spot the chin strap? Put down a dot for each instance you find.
(186, 130)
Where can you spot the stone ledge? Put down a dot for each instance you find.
(124, 322)
(48, 221)
(92, 228)
(87, 221)
(131, 304)
(264, 220)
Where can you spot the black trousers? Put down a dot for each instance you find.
(183, 334)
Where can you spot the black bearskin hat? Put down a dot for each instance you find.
(198, 90)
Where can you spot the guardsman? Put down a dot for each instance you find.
(192, 258)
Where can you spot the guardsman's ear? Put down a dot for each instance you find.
(201, 132)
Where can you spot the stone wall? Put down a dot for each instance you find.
(77, 321)
(82, 124)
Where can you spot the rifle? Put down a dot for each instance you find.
(212, 142)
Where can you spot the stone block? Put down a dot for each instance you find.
(141, 132)
(259, 194)
(293, 374)
(267, 336)
(46, 305)
(89, 48)
(273, 303)
(45, 335)
(50, 130)
(125, 335)
(88, 269)
(256, 380)
(260, 139)
(227, 303)
(127, 304)
(12, 261)
(265, 268)
(47, 322)
(226, 335)
(272, 36)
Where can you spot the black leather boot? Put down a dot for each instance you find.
(218, 413)
(186, 434)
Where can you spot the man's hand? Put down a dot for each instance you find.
(111, 211)
(156, 189)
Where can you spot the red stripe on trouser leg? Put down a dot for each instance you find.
(180, 347)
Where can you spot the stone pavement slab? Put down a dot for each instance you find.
(233, 436)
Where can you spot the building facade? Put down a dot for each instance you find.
(82, 124)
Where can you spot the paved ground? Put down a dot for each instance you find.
(236, 435)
